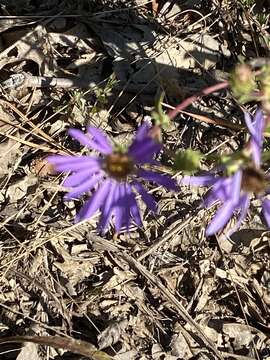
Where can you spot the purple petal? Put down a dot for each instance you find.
(143, 147)
(74, 163)
(101, 139)
(122, 207)
(259, 122)
(203, 180)
(249, 123)
(147, 198)
(256, 129)
(79, 177)
(225, 189)
(144, 151)
(236, 186)
(211, 198)
(243, 207)
(118, 207)
(163, 180)
(143, 131)
(127, 205)
(256, 153)
(220, 191)
(107, 208)
(85, 186)
(63, 159)
(256, 126)
(221, 218)
(80, 136)
(95, 202)
(266, 211)
(134, 209)
(84, 140)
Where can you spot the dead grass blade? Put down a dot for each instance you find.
(47, 138)
(31, 144)
(79, 347)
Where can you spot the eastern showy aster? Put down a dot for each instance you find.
(114, 177)
(234, 191)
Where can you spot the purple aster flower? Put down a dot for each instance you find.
(234, 192)
(114, 177)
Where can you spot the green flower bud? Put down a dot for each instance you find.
(187, 161)
(242, 82)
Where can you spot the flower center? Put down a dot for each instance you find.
(253, 181)
(118, 165)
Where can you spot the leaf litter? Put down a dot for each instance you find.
(164, 292)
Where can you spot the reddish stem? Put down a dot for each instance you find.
(193, 98)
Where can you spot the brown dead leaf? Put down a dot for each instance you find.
(9, 150)
(29, 352)
(127, 355)
(172, 276)
(180, 347)
(111, 335)
(41, 167)
(118, 280)
(33, 46)
(21, 188)
(235, 336)
(75, 270)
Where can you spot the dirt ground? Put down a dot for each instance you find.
(161, 292)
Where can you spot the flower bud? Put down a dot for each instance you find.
(187, 161)
(242, 82)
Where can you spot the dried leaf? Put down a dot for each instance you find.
(21, 188)
(180, 347)
(29, 352)
(128, 355)
(9, 150)
(111, 334)
(33, 46)
(75, 270)
(42, 168)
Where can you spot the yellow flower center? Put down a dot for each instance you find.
(118, 166)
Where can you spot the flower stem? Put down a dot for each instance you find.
(193, 98)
